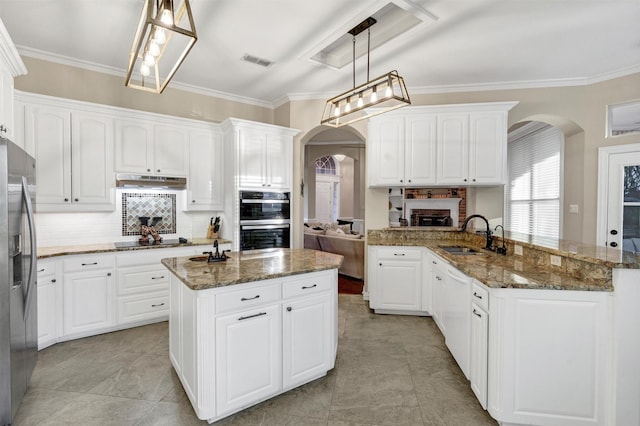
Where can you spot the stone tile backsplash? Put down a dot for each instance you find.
(136, 205)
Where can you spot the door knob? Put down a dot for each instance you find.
(613, 244)
(614, 232)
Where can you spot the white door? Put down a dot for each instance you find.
(324, 201)
(623, 203)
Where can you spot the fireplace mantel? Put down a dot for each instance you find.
(435, 203)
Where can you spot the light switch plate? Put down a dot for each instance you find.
(573, 208)
(517, 250)
(556, 260)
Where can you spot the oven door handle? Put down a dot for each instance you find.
(253, 227)
(249, 201)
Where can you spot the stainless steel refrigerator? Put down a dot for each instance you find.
(18, 310)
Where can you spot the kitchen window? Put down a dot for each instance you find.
(533, 194)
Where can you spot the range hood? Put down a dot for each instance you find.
(147, 181)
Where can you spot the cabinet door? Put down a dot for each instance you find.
(46, 311)
(479, 353)
(385, 152)
(399, 285)
(248, 357)
(251, 162)
(453, 149)
(456, 317)
(92, 159)
(6, 103)
(48, 129)
(278, 162)
(420, 150)
(134, 144)
(205, 171)
(306, 339)
(170, 151)
(438, 303)
(487, 148)
(88, 301)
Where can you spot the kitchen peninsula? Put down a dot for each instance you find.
(551, 318)
(251, 327)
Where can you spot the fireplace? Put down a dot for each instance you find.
(431, 217)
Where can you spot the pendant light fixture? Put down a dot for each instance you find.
(160, 44)
(385, 93)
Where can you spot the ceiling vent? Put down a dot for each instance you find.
(258, 61)
(394, 18)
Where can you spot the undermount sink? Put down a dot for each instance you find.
(204, 258)
(460, 250)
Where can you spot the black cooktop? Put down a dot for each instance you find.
(151, 243)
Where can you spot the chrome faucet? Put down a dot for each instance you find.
(466, 222)
(501, 250)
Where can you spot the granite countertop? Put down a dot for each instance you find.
(244, 267)
(578, 272)
(46, 252)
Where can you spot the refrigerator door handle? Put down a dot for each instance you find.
(32, 237)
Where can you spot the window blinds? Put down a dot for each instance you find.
(533, 193)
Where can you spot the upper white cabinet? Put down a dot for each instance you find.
(146, 148)
(262, 154)
(402, 150)
(10, 66)
(206, 167)
(74, 156)
(439, 145)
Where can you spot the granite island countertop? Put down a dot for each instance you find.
(245, 267)
(531, 271)
(47, 252)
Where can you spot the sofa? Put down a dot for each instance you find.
(350, 246)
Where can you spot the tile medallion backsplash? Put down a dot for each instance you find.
(151, 206)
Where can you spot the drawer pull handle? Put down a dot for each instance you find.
(398, 254)
(252, 316)
(308, 287)
(159, 304)
(157, 278)
(477, 295)
(434, 262)
(476, 314)
(89, 264)
(244, 299)
(40, 270)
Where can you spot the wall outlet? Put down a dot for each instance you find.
(556, 260)
(517, 250)
(573, 208)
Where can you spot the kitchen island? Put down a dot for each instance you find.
(251, 327)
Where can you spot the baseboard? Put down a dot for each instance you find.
(365, 295)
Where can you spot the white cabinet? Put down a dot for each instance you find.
(248, 357)
(550, 357)
(261, 154)
(206, 167)
(439, 145)
(47, 302)
(402, 150)
(74, 157)
(456, 316)
(478, 366)
(147, 148)
(438, 277)
(89, 294)
(395, 279)
(11, 66)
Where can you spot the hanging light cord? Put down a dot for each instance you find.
(354, 62)
(368, 50)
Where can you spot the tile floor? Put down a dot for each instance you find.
(391, 370)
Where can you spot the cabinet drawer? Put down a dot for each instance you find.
(247, 298)
(142, 279)
(480, 296)
(399, 253)
(46, 268)
(305, 286)
(143, 307)
(88, 263)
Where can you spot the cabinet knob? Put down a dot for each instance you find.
(474, 180)
(614, 232)
(288, 308)
(158, 170)
(76, 200)
(401, 180)
(380, 263)
(613, 244)
(3, 129)
(193, 201)
(53, 280)
(465, 180)
(108, 274)
(409, 180)
(66, 200)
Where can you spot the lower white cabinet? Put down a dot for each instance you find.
(47, 300)
(248, 357)
(235, 346)
(478, 365)
(438, 276)
(456, 316)
(88, 301)
(395, 279)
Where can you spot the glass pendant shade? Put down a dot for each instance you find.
(163, 39)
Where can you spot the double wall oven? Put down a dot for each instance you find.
(265, 220)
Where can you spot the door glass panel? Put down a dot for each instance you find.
(631, 209)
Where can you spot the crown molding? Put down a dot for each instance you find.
(9, 54)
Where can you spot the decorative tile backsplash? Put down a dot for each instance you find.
(135, 206)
